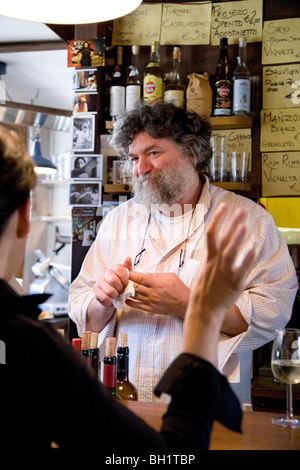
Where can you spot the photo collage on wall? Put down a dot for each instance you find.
(85, 188)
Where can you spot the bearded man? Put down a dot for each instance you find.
(150, 250)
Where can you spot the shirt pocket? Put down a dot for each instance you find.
(190, 271)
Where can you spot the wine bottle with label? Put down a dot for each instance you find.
(117, 89)
(134, 82)
(241, 82)
(125, 389)
(222, 88)
(154, 77)
(110, 368)
(175, 90)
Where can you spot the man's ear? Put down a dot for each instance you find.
(24, 219)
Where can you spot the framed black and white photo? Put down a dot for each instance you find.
(83, 132)
(85, 194)
(86, 167)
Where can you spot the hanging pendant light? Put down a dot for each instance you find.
(43, 166)
(68, 11)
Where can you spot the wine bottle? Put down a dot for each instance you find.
(175, 91)
(110, 368)
(154, 77)
(125, 389)
(117, 89)
(95, 354)
(241, 82)
(134, 83)
(85, 347)
(222, 87)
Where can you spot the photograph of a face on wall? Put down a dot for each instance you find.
(86, 167)
(83, 132)
(86, 53)
(84, 79)
(85, 103)
(86, 194)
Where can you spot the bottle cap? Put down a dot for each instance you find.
(123, 340)
(94, 340)
(177, 53)
(110, 347)
(76, 343)
(242, 42)
(155, 47)
(135, 50)
(85, 340)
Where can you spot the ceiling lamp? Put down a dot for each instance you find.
(42, 166)
(68, 11)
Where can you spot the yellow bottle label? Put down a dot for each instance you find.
(153, 89)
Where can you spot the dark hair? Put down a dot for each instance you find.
(190, 132)
(17, 175)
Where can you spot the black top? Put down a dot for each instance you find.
(48, 394)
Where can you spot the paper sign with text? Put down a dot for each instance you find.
(236, 19)
(139, 28)
(281, 174)
(281, 41)
(280, 130)
(281, 86)
(186, 24)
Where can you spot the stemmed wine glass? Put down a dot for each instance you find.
(285, 363)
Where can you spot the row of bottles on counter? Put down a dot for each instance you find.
(231, 91)
(115, 373)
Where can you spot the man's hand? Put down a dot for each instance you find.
(162, 293)
(111, 283)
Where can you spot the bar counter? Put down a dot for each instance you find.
(258, 432)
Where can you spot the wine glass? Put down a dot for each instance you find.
(285, 365)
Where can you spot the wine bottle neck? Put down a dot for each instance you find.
(243, 55)
(122, 363)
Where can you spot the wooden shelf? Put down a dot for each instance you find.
(228, 185)
(231, 122)
(52, 182)
(51, 218)
(117, 188)
(220, 122)
(233, 186)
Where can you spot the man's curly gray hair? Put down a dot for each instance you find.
(190, 132)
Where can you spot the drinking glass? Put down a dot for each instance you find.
(238, 163)
(218, 163)
(285, 363)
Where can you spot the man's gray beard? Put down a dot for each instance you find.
(164, 187)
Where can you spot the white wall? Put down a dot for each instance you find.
(50, 206)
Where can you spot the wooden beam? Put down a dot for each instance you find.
(32, 46)
(37, 109)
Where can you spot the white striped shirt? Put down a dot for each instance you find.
(155, 340)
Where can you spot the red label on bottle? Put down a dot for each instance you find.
(109, 375)
(223, 91)
(150, 87)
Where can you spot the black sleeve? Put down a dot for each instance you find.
(200, 395)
